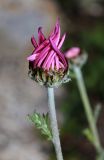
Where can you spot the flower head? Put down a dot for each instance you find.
(47, 64)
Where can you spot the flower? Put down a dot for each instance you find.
(72, 52)
(47, 64)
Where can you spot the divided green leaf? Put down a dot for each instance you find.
(42, 123)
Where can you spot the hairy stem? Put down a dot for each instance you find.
(54, 125)
(87, 107)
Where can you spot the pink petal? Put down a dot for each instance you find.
(54, 30)
(42, 45)
(32, 57)
(57, 36)
(72, 52)
(57, 62)
(41, 56)
(61, 65)
(41, 35)
(48, 58)
(56, 33)
(33, 41)
(61, 41)
(61, 56)
(40, 61)
(49, 63)
(53, 65)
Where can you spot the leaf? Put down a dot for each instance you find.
(87, 132)
(42, 123)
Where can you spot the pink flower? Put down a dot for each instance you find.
(48, 64)
(47, 54)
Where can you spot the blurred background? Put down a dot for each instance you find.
(83, 20)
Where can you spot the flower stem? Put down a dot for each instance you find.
(87, 107)
(54, 125)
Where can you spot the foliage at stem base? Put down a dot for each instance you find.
(42, 123)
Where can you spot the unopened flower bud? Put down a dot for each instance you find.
(72, 52)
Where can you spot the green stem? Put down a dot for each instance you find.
(87, 107)
(54, 125)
